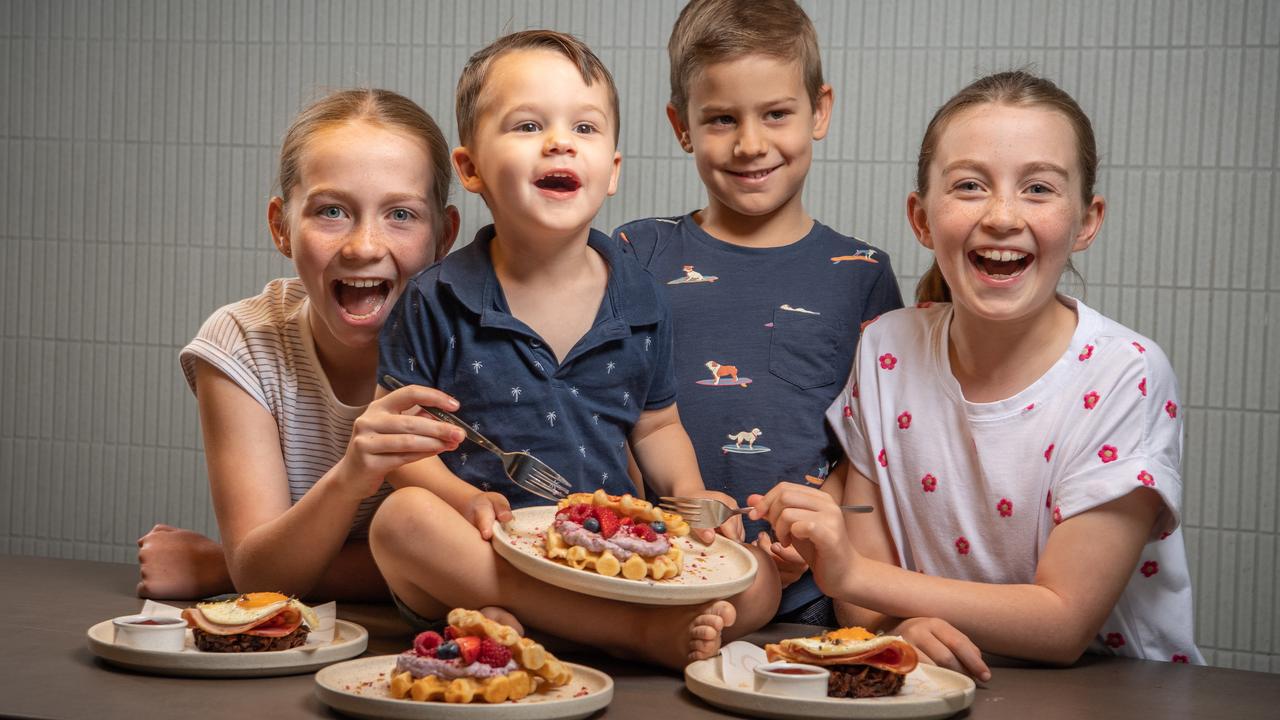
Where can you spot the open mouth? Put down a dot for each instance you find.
(561, 182)
(754, 174)
(1001, 264)
(361, 297)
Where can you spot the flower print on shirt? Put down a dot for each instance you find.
(929, 483)
(1142, 387)
(1048, 452)
(962, 545)
(1180, 659)
(1086, 353)
(1171, 407)
(1005, 507)
(1146, 478)
(888, 361)
(1091, 399)
(1139, 347)
(883, 459)
(1108, 453)
(1115, 640)
(1057, 516)
(904, 420)
(1149, 568)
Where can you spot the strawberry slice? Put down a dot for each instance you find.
(468, 648)
(609, 523)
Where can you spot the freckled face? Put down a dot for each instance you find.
(1004, 208)
(358, 227)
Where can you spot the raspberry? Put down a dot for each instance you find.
(493, 654)
(449, 632)
(608, 522)
(579, 512)
(645, 532)
(468, 648)
(626, 521)
(425, 643)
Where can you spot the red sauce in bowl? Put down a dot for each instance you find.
(794, 671)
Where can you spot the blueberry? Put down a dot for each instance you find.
(658, 526)
(447, 651)
(591, 524)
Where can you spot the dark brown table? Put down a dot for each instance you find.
(47, 671)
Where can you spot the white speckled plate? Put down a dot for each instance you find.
(929, 692)
(349, 640)
(711, 572)
(361, 688)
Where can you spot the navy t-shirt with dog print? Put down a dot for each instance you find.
(764, 339)
(452, 329)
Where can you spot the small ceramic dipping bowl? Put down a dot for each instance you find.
(791, 679)
(150, 633)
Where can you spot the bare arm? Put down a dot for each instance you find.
(300, 548)
(869, 534)
(664, 453)
(1081, 574)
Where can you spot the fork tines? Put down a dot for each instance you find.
(686, 507)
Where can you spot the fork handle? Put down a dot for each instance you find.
(857, 508)
(472, 434)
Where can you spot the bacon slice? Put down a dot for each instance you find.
(278, 624)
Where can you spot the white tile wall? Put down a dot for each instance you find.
(138, 138)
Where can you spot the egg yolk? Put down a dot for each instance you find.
(850, 633)
(259, 599)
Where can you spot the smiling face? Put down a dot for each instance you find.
(1004, 209)
(542, 154)
(750, 126)
(358, 225)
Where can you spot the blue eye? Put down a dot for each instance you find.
(331, 212)
(401, 215)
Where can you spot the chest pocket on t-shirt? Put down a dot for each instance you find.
(802, 350)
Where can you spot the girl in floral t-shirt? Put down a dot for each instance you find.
(1022, 450)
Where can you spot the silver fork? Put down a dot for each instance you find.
(524, 469)
(710, 513)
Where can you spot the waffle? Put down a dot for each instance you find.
(636, 567)
(538, 669)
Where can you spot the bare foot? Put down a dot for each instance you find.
(177, 564)
(707, 630)
(500, 615)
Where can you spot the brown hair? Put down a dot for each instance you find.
(1014, 87)
(380, 107)
(476, 72)
(712, 31)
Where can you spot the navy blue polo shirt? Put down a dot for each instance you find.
(764, 341)
(452, 329)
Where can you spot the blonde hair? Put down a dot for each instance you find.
(476, 73)
(1013, 87)
(712, 31)
(379, 107)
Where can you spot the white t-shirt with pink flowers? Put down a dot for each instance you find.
(972, 490)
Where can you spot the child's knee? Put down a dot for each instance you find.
(402, 515)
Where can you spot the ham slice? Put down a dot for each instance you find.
(898, 657)
(276, 625)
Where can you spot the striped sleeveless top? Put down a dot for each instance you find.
(264, 345)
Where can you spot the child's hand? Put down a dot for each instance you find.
(811, 522)
(940, 643)
(391, 433)
(789, 562)
(732, 528)
(177, 564)
(484, 509)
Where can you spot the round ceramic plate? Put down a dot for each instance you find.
(711, 572)
(929, 692)
(349, 640)
(361, 688)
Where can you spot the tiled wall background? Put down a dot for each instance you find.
(138, 141)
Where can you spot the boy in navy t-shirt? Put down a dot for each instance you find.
(768, 303)
(553, 341)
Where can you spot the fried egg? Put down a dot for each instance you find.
(248, 608)
(846, 641)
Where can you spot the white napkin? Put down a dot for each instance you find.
(737, 661)
(327, 614)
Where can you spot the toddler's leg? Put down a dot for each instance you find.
(434, 560)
